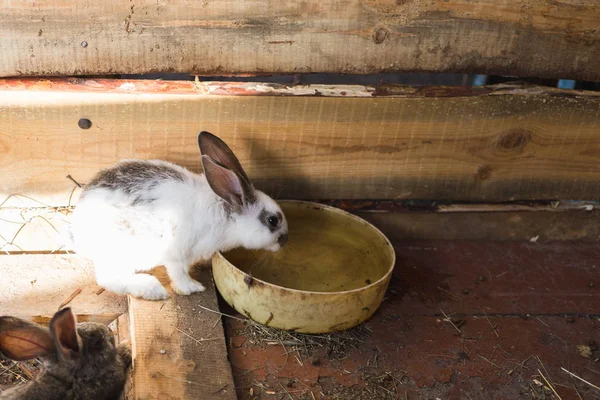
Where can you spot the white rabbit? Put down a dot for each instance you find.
(138, 214)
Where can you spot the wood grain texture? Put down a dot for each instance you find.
(179, 349)
(491, 144)
(541, 227)
(507, 37)
(34, 285)
(477, 222)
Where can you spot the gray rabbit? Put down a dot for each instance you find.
(80, 360)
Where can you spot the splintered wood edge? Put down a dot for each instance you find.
(218, 88)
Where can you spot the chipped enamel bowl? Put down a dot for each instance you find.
(331, 275)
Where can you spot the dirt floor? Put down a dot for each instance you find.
(461, 320)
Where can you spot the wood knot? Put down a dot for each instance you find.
(514, 139)
(484, 172)
(380, 35)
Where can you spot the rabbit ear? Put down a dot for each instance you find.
(216, 149)
(21, 340)
(63, 328)
(227, 184)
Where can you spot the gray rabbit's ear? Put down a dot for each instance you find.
(217, 149)
(63, 328)
(21, 340)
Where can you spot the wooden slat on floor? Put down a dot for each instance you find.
(33, 286)
(179, 348)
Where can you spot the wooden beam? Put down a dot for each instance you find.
(403, 206)
(477, 144)
(35, 285)
(466, 222)
(537, 227)
(510, 37)
(179, 349)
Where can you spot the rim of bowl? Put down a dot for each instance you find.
(340, 211)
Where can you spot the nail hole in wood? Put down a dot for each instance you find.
(84, 123)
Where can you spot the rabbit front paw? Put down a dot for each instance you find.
(187, 287)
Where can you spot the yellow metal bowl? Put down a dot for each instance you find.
(331, 275)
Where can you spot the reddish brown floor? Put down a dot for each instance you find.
(522, 310)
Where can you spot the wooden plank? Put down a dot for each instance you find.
(35, 285)
(473, 222)
(542, 226)
(179, 349)
(386, 206)
(492, 144)
(510, 37)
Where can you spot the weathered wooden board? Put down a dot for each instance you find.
(492, 144)
(33, 286)
(179, 349)
(47, 234)
(509, 37)
(540, 227)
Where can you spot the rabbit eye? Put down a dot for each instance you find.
(273, 220)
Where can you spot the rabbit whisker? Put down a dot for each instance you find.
(258, 262)
(278, 191)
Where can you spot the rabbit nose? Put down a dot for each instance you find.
(282, 239)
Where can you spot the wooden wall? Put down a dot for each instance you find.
(536, 38)
(490, 144)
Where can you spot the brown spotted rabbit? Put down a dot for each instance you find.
(80, 360)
